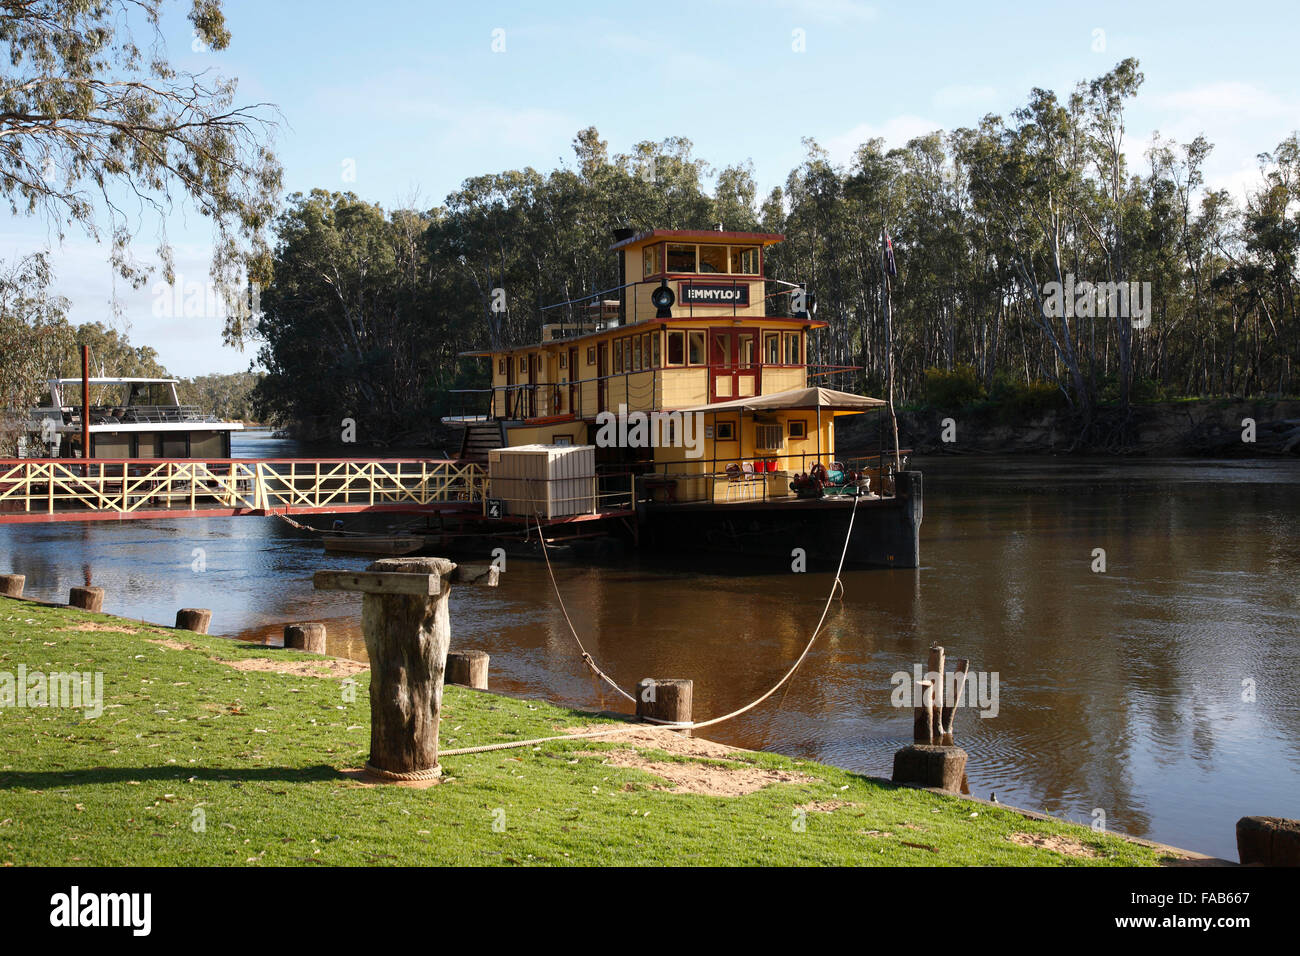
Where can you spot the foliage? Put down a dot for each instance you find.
(195, 763)
(98, 129)
(1019, 400)
(33, 335)
(951, 389)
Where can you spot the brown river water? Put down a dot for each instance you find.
(1162, 693)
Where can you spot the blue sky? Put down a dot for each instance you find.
(414, 98)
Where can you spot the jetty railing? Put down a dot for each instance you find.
(126, 487)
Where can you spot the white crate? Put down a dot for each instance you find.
(554, 481)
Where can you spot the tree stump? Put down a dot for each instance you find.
(1270, 841)
(305, 637)
(930, 766)
(11, 585)
(407, 629)
(86, 598)
(194, 619)
(665, 699)
(469, 668)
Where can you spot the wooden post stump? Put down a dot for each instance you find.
(469, 668)
(1269, 841)
(305, 637)
(11, 585)
(86, 598)
(665, 699)
(194, 619)
(407, 630)
(931, 765)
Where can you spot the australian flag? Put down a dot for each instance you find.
(891, 267)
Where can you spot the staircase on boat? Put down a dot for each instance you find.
(480, 438)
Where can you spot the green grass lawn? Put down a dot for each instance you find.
(195, 762)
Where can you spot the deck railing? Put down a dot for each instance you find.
(726, 480)
(66, 485)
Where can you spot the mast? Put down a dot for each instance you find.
(889, 269)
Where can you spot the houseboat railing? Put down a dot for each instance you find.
(763, 476)
(50, 485)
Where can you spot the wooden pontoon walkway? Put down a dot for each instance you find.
(70, 489)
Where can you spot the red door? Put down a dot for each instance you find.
(733, 364)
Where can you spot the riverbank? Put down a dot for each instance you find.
(1207, 428)
(212, 752)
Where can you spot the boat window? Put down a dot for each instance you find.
(676, 348)
(645, 350)
(725, 431)
(798, 428)
(744, 260)
(696, 348)
(650, 259)
(655, 338)
(713, 259)
(746, 349)
(636, 353)
(772, 348)
(681, 258)
(618, 358)
(792, 348)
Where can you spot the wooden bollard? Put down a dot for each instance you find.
(194, 619)
(407, 628)
(665, 700)
(469, 668)
(305, 637)
(86, 598)
(1269, 841)
(930, 765)
(11, 585)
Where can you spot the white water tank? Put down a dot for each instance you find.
(553, 481)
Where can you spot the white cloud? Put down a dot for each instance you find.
(1231, 100)
(896, 131)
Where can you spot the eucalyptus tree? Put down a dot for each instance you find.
(98, 130)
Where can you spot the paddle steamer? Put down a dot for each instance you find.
(688, 390)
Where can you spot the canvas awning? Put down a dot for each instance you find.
(827, 399)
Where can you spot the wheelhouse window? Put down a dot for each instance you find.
(713, 259)
(744, 260)
(691, 259)
(681, 258)
(618, 358)
(655, 339)
(650, 259)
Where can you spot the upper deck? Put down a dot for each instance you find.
(691, 322)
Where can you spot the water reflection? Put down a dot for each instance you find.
(1120, 692)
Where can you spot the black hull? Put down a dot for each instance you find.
(886, 531)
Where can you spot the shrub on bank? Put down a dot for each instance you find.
(951, 389)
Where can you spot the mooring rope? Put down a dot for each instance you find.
(587, 658)
(666, 724)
